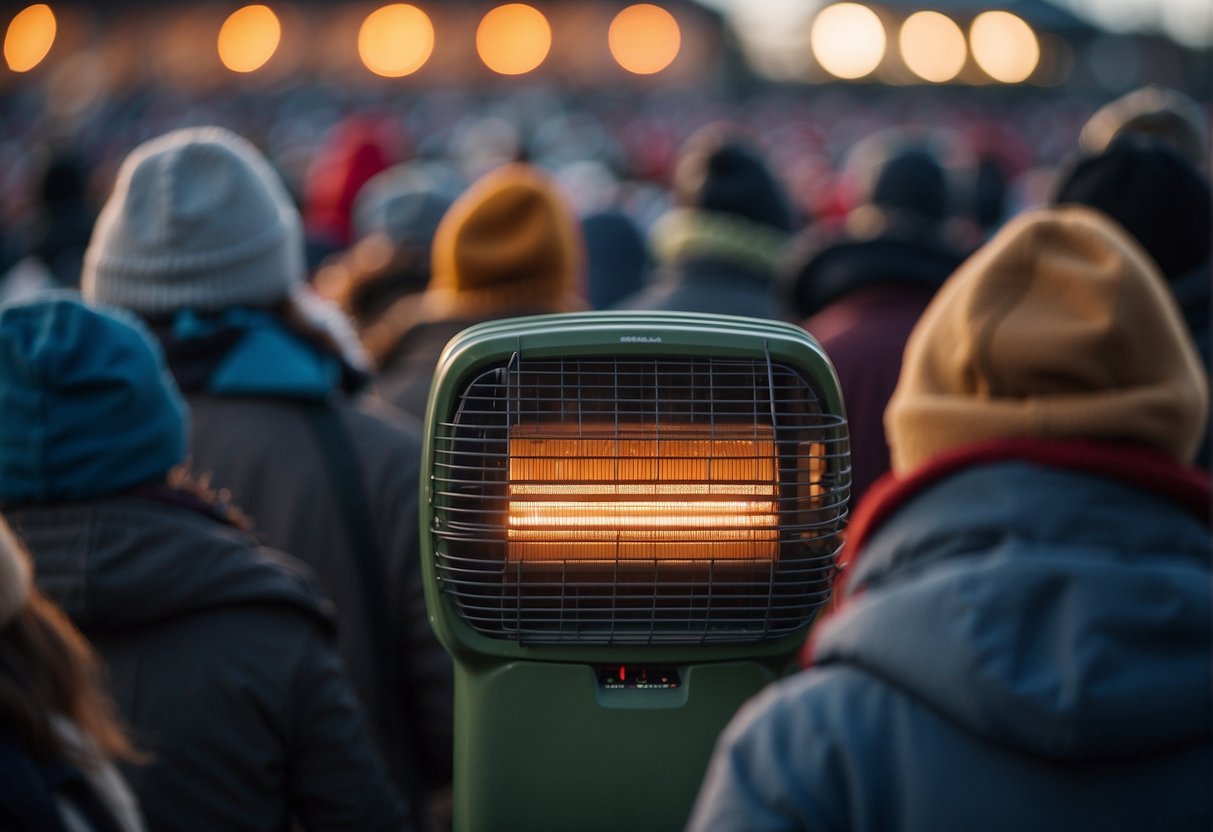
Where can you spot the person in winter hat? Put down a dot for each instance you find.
(717, 250)
(220, 652)
(1156, 194)
(59, 732)
(860, 289)
(1164, 203)
(1153, 111)
(1022, 638)
(508, 246)
(379, 280)
(200, 238)
(617, 256)
(354, 151)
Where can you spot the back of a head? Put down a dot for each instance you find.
(353, 151)
(509, 243)
(912, 181)
(405, 203)
(720, 172)
(1159, 112)
(87, 407)
(197, 219)
(1154, 192)
(396, 216)
(1059, 328)
(617, 258)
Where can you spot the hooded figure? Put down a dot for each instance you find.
(200, 238)
(1164, 203)
(220, 652)
(1152, 111)
(1022, 639)
(718, 249)
(508, 246)
(860, 291)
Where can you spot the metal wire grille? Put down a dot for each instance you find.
(651, 500)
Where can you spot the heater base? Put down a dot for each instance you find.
(547, 746)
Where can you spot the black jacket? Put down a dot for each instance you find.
(220, 657)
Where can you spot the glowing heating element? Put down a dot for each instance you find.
(677, 492)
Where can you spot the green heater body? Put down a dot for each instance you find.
(630, 522)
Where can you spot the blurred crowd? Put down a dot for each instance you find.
(220, 323)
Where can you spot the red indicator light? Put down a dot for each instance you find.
(623, 672)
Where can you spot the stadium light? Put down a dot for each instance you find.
(644, 39)
(1004, 46)
(848, 40)
(932, 46)
(396, 40)
(248, 38)
(29, 38)
(513, 39)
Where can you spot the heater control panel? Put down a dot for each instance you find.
(638, 677)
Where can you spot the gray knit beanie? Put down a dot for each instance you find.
(198, 219)
(15, 576)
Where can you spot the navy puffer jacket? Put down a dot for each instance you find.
(1024, 647)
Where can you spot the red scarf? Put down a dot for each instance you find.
(1133, 464)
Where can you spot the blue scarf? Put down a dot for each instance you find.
(248, 352)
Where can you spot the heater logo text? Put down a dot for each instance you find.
(640, 339)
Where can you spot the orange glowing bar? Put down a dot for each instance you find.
(680, 492)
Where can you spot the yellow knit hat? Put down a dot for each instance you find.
(508, 244)
(1059, 327)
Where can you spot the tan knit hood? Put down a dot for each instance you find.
(1059, 327)
(509, 243)
(15, 576)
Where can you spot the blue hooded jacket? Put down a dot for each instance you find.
(1025, 648)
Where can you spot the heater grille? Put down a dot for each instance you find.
(652, 500)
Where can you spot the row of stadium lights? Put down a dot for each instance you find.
(848, 40)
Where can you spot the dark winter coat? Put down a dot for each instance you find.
(257, 395)
(707, 284)
(405, 375)
(862, 299)
(33, 792)
(864, 334)
(220, 658)
(1025, 645)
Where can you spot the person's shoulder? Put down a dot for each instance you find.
(380, 432)
(815, 708)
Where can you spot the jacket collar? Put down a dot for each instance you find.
(1132, 464)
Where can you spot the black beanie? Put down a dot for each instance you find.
(912, 180)
(719, 172)
(1154, 192)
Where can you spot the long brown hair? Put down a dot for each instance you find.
(47, 668)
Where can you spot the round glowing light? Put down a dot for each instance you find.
(1004, 46)
(513, 39)
(249, 37)
(933, 46)
(848, 40)
(396, 40)
(29, 38)
(644, 38)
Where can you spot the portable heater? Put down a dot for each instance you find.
(631, 520)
